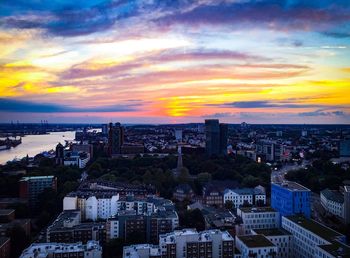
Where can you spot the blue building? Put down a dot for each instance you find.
(290, 198)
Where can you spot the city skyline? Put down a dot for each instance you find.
(175, 61)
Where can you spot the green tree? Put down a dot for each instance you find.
(229, 205)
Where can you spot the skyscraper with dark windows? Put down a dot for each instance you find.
(115, 138)
(223, 138)
(216, 137)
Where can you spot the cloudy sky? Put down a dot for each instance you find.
(172, 61)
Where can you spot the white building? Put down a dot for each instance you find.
(79, 159)
(43, 250)
(101, 206)
(312, 239)
(256, 218)
(333, 202)
(242, 196)
(280, 238)
(189, 241)
(141, 251)
(257, 246)
(186, 243)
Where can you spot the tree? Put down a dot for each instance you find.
(204, 177)
(192, 219)
(229, 205)
(184, 175)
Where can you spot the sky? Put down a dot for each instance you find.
(175, 61)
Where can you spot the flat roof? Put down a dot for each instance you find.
(272, 232)
(26, 178)
(333, 195)
(257, 209)
(337, 249)
(255, 241)
(315, 227)
(292, 186)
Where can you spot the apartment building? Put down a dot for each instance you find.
(105, 205)
(257, 246)
(333, 202)
(281, 238)
(186, 243)
(256, 218)
(90, 250)
(68, 228)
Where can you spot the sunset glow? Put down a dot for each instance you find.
(165, 61)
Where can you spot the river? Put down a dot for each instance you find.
(35, 144)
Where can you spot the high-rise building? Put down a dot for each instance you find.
(59, 158)
(31, 187)
(115, 138)
(216, 137)
(104, 130)
(223, 138)
(290, 198)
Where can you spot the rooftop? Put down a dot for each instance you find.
(333, 195)
(27, 178)
(203, 236)
(292, 186)
(43, 249)
(272, 232)
(337, 249)
(315, 227)
(256, 209)
(255, 241)
(132, 250)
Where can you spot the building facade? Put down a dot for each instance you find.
(245, 196)
(281, 238)
(115, 138)
(256, 218)
(187, 243)
(255, 246)
(68, 228)
(290, 198)
(312, 239)
(216, 137)
(31, 187)
(333, 202)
